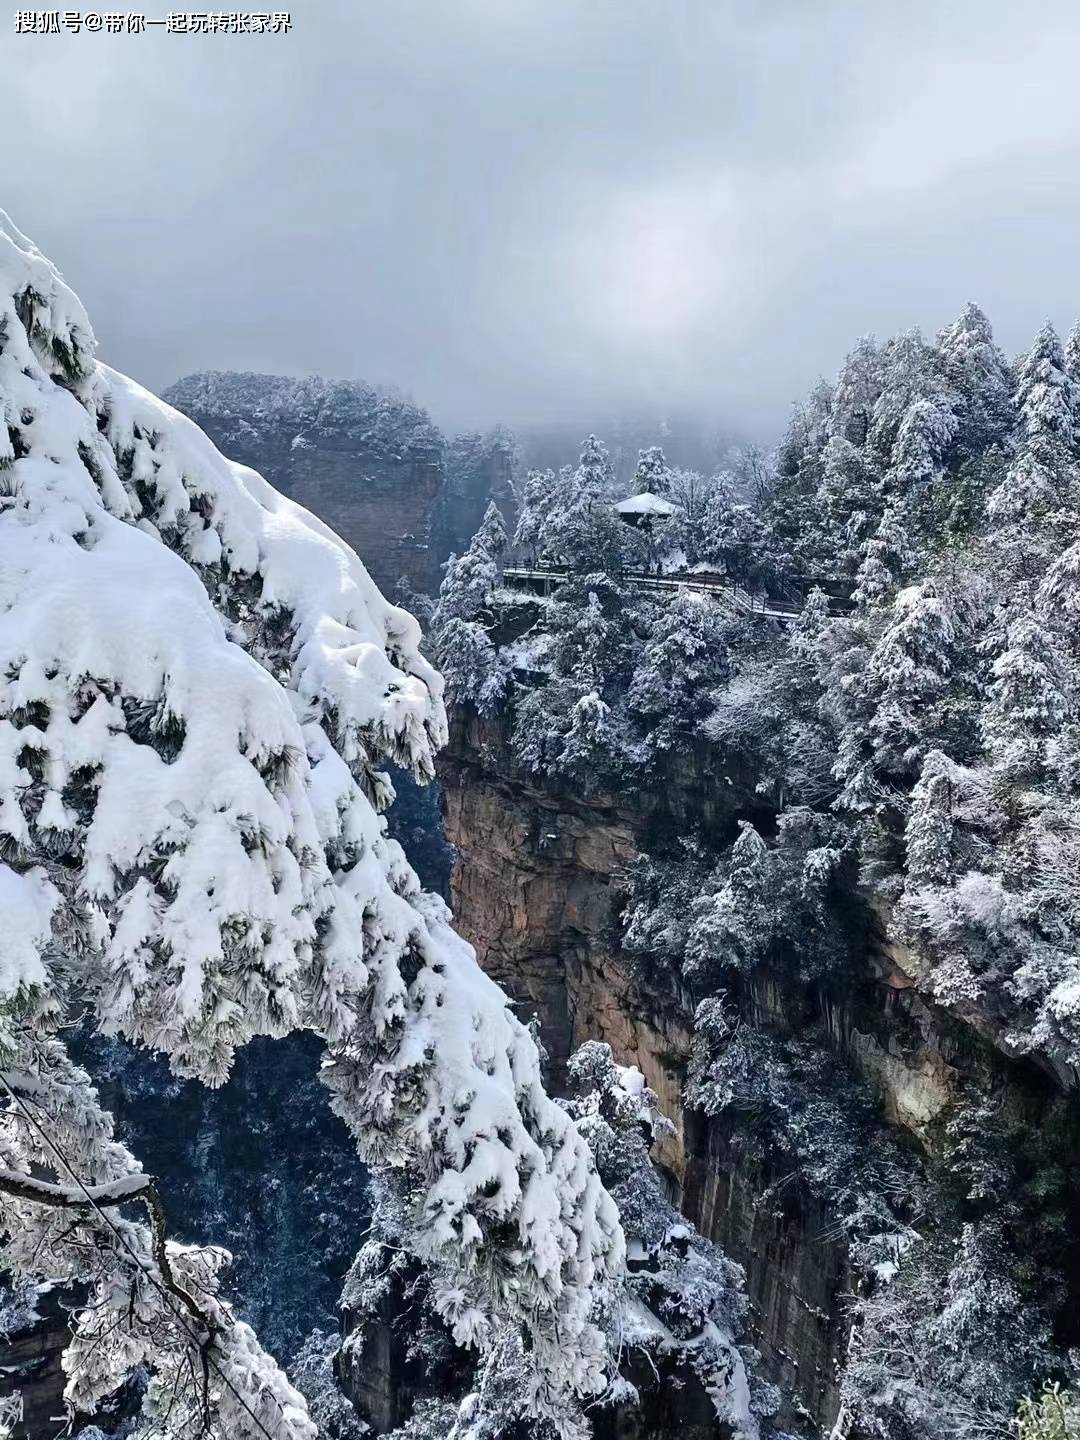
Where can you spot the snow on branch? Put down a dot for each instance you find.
(198, 683)
(44, 1192)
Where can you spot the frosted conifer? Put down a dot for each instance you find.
(199, 684)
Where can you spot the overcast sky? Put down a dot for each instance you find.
(521, 210)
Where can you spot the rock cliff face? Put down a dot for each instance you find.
(371, 464)
(32, 1370)
(368, 463)
(477, 468)
(536, 888)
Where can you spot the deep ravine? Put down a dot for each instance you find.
(538, 886)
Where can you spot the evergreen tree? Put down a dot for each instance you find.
(850, 503)
(470, 583)
(805, 633)
(1058, 602)
(690, 493)
(590, 659)
(732, 536)
(675, 1322)
(1033, 510)
(1072, 355)
(652, 476)
(791, 513)
(1027, 703)
(908, 675)
(920, 449)
(858, 387)
(1044, 391)
(586, 649)
(886, 559)
(680, 1280)
(474, 672)
(930, 828)
(540, 496)
(1072, 370)
(683, 661)
(911, 370)
(581, 527)
(589, 734)
(190, 846)
(979, 378)
(492, 533)
(730, 929)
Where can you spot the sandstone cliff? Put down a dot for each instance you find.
(369, 463)
(536, 887)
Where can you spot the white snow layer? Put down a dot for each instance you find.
(646, 504)
(198, 680)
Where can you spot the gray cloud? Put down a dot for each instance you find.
(523, 209)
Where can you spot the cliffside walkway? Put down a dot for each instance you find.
(544, 580)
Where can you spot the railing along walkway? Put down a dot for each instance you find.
(545, 580)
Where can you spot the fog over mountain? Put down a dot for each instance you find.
(530, 210)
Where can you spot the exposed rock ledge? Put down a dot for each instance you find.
(536, 889)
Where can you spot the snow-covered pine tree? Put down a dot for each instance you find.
(886, 559)
(850, 501)
(540, 494)
(910, 371)
(1058, 602)
(919, 451)
(1072, 370)
(791, 514)
(474, 671)
(469, 583)
(908, 675)
(1033, 510)
(584, 649)
(1044, 391)
(198, 684)
(930, 830)
(652, 476)
(732, 538)
(911, 685)
(568, 516)
(583, 528)
(687, 1310)
(914, 427)
(730, 929)
(591, 645)
(680, 666)
(690, 493)
(678, 1320)
(589, 733)
(1028, 701)
(805, 632)
(856, 393)
(476, 674)
(1072, 355)
(978, 376)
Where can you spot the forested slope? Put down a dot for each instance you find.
(900, 828)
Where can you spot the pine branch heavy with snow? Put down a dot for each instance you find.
(198, 686)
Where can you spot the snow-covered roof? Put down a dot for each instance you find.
(646, 504)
